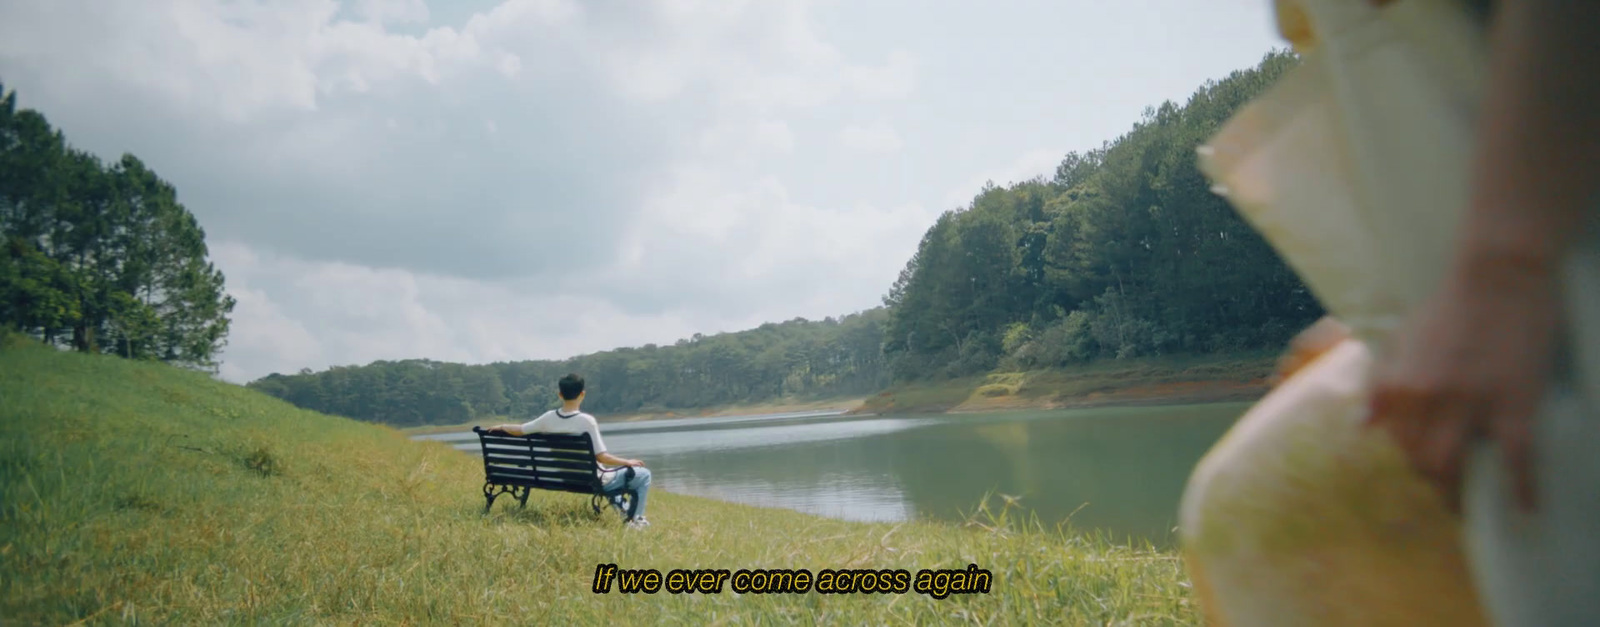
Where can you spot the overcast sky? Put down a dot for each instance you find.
(488, 180)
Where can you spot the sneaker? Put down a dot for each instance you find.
(638, 523)
(617, 504)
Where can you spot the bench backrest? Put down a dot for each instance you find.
(547, 461)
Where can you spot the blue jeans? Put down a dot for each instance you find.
(639, 487)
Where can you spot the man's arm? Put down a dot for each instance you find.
(612, 460)
(603, 456)
(1475, 360)
(511, 429)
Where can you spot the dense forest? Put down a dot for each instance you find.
(1124, 252)
(101, 257)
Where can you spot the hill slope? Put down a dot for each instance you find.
(136, 492)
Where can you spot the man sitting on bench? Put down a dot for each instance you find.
(568, 419)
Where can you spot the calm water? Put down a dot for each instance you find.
(1121, 469)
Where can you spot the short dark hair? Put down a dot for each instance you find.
(571, 386)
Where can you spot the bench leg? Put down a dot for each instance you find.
(600, 501)
(489, 494)
(522, 499)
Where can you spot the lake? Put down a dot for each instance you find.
(1120, 470)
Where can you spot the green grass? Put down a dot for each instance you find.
(1184, 378)
(135, 493)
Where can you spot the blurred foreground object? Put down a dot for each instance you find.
(1310, 344)
(1355, 168)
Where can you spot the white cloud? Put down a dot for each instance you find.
(747, 139)
(510, 65)
(363, 314)
(760, 252)
(764, 55)
(392, 11)
(893, 80)
(263, 339)
(240, 60)
(875, 138)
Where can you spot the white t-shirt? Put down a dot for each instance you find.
(554, 421)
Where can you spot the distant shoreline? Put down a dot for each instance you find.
(844, 405)
(1197, 393)
(1130, 383)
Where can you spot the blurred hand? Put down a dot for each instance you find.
(636, 463)
(1473, 362)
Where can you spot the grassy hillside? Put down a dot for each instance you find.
(135, 492)
(1185, 379)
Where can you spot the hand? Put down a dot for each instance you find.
(635, 463)
(1473, 362)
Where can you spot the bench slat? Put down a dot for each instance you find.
(547, 446)
(501, 471)
(580, 452)
(560, 446)
(526, 458)
(535, 473)
(496, 469)
(566, 475)
(547, 463)
(562, 443)
(562, 486)
(538, 439)
(522, 454)
(541, 475)
(504, 446)
(515, 460)
(576, 456)
(542, 472)
(559, 464)
(559, 439)
(524, 449)
(536, 448)
(527, 470)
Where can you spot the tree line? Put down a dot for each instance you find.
(1125, 252)
(101, 257)
(799, 358)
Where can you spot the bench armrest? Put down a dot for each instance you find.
(605, 468)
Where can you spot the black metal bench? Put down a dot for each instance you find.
(563, 462)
